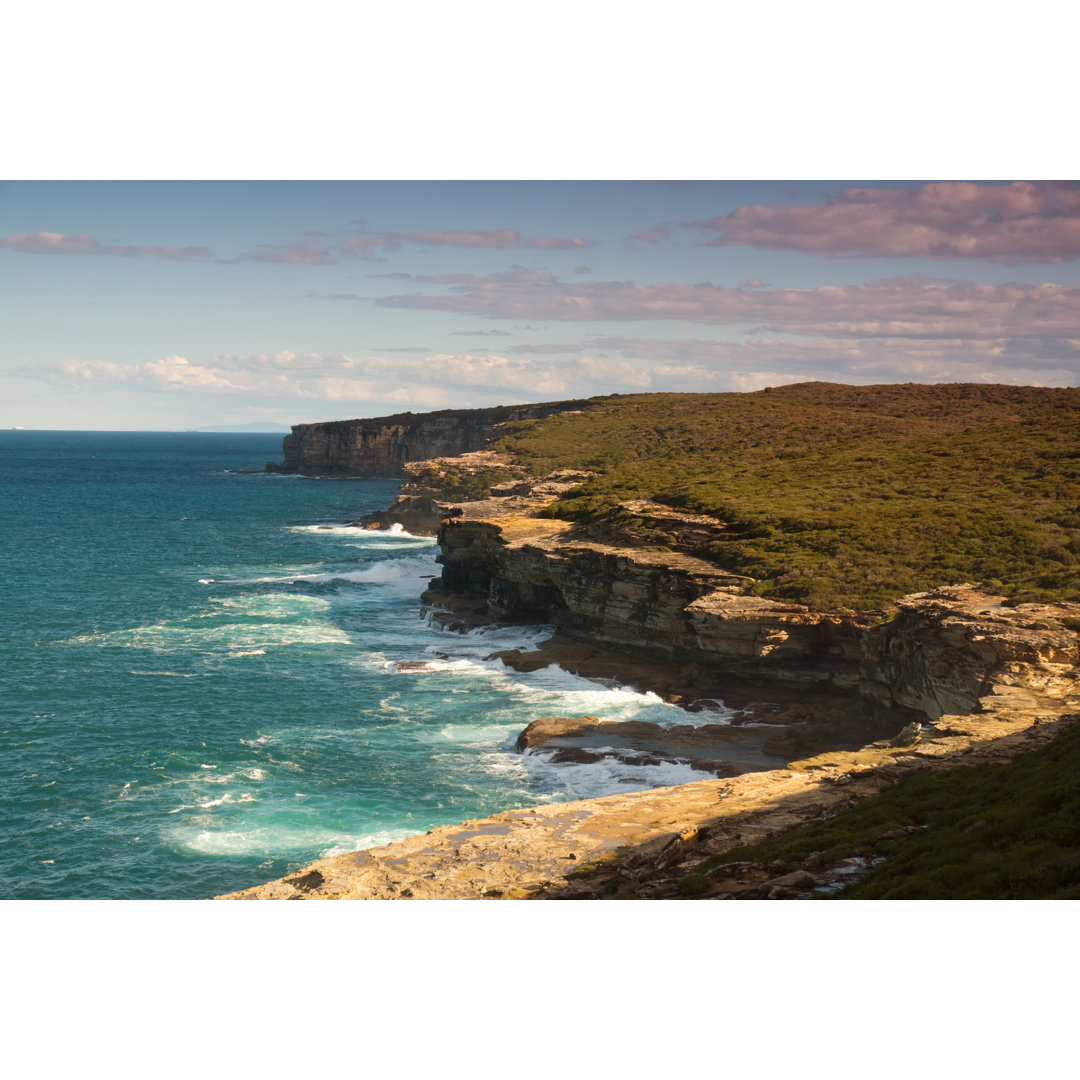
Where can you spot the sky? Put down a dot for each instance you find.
(167, 306)
(159, 305)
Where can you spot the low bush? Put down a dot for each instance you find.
(984, 832)
(841, 497)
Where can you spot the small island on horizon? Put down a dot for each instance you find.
(886, 578)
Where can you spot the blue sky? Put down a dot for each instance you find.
(171, 305)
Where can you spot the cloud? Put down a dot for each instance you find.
(365, 243)
(689, 364)
(897, 307)
(168, 372)
(549, 347)
(314, 376)
(659, 235)
(303, 253)
(466, 238)
(1010, 223)
(582, 269)
(492, 370)
(339, 384)
(311, 252)
(611, 373)
(50, 243)
(555, 243)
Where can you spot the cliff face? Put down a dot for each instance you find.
(954, 650)
(640, 845)
(958, 650)
(982, 681)
(664, 607)
(990, 681)
(381, 446)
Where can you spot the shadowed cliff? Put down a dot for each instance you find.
(380, 446)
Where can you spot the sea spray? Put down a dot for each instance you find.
(212, 678)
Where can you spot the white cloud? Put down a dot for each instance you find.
(284, 380)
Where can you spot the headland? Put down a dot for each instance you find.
(882, 581)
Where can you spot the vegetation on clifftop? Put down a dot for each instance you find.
(993, 831)
(839, 496)
(466, 485)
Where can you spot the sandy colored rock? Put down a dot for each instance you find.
(527, 853)
(984, 682)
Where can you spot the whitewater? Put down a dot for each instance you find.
(210, 678)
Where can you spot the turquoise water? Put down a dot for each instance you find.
(198, 689)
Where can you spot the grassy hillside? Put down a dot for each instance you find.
(837, 496)
(984, 832)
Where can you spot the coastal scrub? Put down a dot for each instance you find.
(839, 497)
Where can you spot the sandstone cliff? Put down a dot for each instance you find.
(955, 675)
(645, 844)
(381, 446)
(662, 606)
(983, 681)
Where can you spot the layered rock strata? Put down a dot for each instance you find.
(658, 605)
(382, 445)
(953, 675)
(641, 845)
(1014, 671)
(420, 507)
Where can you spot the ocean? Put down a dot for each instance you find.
(199, 687)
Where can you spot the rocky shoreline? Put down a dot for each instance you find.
(831, 708)
(644, 845)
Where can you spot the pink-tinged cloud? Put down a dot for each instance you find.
(659, 235)
(1009, 223)
(582, 269)
(305, 253)
(516, 275)
(365, 243)
(50, 243)
(466, 238)
(555, 243)
(890, 359)
(900, 307)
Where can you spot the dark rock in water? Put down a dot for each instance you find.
(416, 514)
(547, 728)
(576, 755)
(700, 704)
(585, 739)
(406, 666)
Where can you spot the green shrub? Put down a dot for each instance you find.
(986, 832)
(837, 496)
(693, 885)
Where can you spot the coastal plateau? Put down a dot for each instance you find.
(833, 703)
